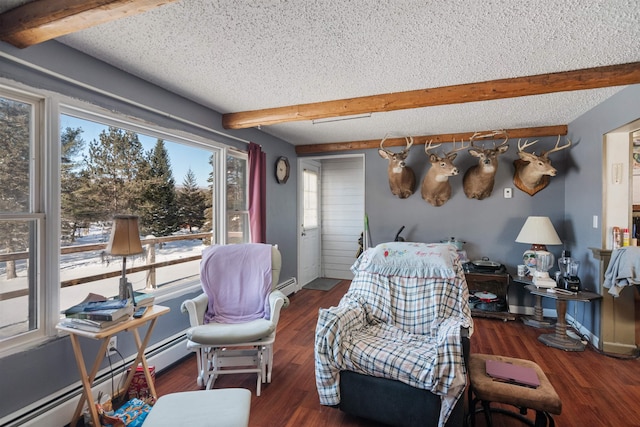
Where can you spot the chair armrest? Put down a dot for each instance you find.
(334, 325)
(195, 308)
(277, 300)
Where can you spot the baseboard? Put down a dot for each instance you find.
(57, 410)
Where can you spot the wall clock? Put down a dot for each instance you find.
(282, 170)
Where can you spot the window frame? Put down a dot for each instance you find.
(46, 192)
(36, 212)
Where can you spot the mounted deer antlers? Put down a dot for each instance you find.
(479, 179)
(402, 180)
(532, 172)
(435, 185)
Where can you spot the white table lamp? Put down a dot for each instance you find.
(539, 232)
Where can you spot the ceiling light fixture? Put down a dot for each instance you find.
(339, 119)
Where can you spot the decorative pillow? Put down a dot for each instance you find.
(409, 259)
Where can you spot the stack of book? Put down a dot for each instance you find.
(94, 316)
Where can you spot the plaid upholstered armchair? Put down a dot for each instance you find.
(392, 350)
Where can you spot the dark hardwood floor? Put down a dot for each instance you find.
(596, 390)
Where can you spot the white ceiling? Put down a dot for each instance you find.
(242, 55)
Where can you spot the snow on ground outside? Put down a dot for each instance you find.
(14, 312)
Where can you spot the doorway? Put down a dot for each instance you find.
(328, 248)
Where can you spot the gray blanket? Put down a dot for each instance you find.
(623, 269)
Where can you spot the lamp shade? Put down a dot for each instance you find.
(125, 238)
(538, 230)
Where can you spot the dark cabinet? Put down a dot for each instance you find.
(492, 283)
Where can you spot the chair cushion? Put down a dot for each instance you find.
(544, 398)
(225, 333)
(224, 407)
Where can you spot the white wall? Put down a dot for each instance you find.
(342, 214)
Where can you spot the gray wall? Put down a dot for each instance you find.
(52, 364)
(489, 226)
(583, 188)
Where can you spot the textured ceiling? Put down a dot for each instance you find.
(245, 55)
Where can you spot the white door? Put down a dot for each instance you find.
(309, 221)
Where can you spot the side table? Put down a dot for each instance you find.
(537, 320)
(131, 325)
(560, 339)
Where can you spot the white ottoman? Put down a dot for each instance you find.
(220, 407)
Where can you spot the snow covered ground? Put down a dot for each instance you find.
(14, 311)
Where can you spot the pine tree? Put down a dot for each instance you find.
(112, 166)
(15, 165)
(73, 205)
(159, 209)
(191, 200)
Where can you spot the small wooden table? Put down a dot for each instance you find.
(537, 320)
(132, 325)
(560, 339)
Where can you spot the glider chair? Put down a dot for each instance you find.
(233, 323)
(394, 348)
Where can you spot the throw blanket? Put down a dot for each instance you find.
(237, 281)
(404, 327)
(623, 269)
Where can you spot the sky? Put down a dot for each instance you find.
(182, 156)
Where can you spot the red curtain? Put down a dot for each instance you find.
(257, 194)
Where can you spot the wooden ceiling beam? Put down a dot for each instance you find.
(534, 132)
(42, 20)
(588, 78)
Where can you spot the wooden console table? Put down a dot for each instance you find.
(132, 325)
(560, 339)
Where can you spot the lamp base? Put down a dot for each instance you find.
(125, 290)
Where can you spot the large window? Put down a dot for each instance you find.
(21, 216)
(103, 165)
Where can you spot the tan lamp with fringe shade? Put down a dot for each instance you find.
(539, 232)
(125, 241)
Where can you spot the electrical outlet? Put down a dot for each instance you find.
(112, 346)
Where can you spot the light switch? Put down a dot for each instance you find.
(508, 193)
(595, 221)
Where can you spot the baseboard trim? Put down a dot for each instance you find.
(57, 409)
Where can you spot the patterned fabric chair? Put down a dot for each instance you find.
(398, 329)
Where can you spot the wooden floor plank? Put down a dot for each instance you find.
(595, 389)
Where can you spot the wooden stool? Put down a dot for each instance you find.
(225, 407)
(544, 399)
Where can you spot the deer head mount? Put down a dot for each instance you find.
(402, 180)
(435, 185)
(479, 179)
(532, 172)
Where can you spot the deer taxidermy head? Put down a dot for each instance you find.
(479, 179)
(402, 180)
(435, 186)
(532, 173)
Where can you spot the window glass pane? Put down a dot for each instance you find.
(108, 170)
(18, 293)
(237, 199)
(236, 183)
(15, 155)
(310, 194)
(237, 227)
(18, 246)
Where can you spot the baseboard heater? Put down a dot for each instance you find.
(57, 410)
(289, 286)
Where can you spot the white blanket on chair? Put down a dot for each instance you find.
(237, 281)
